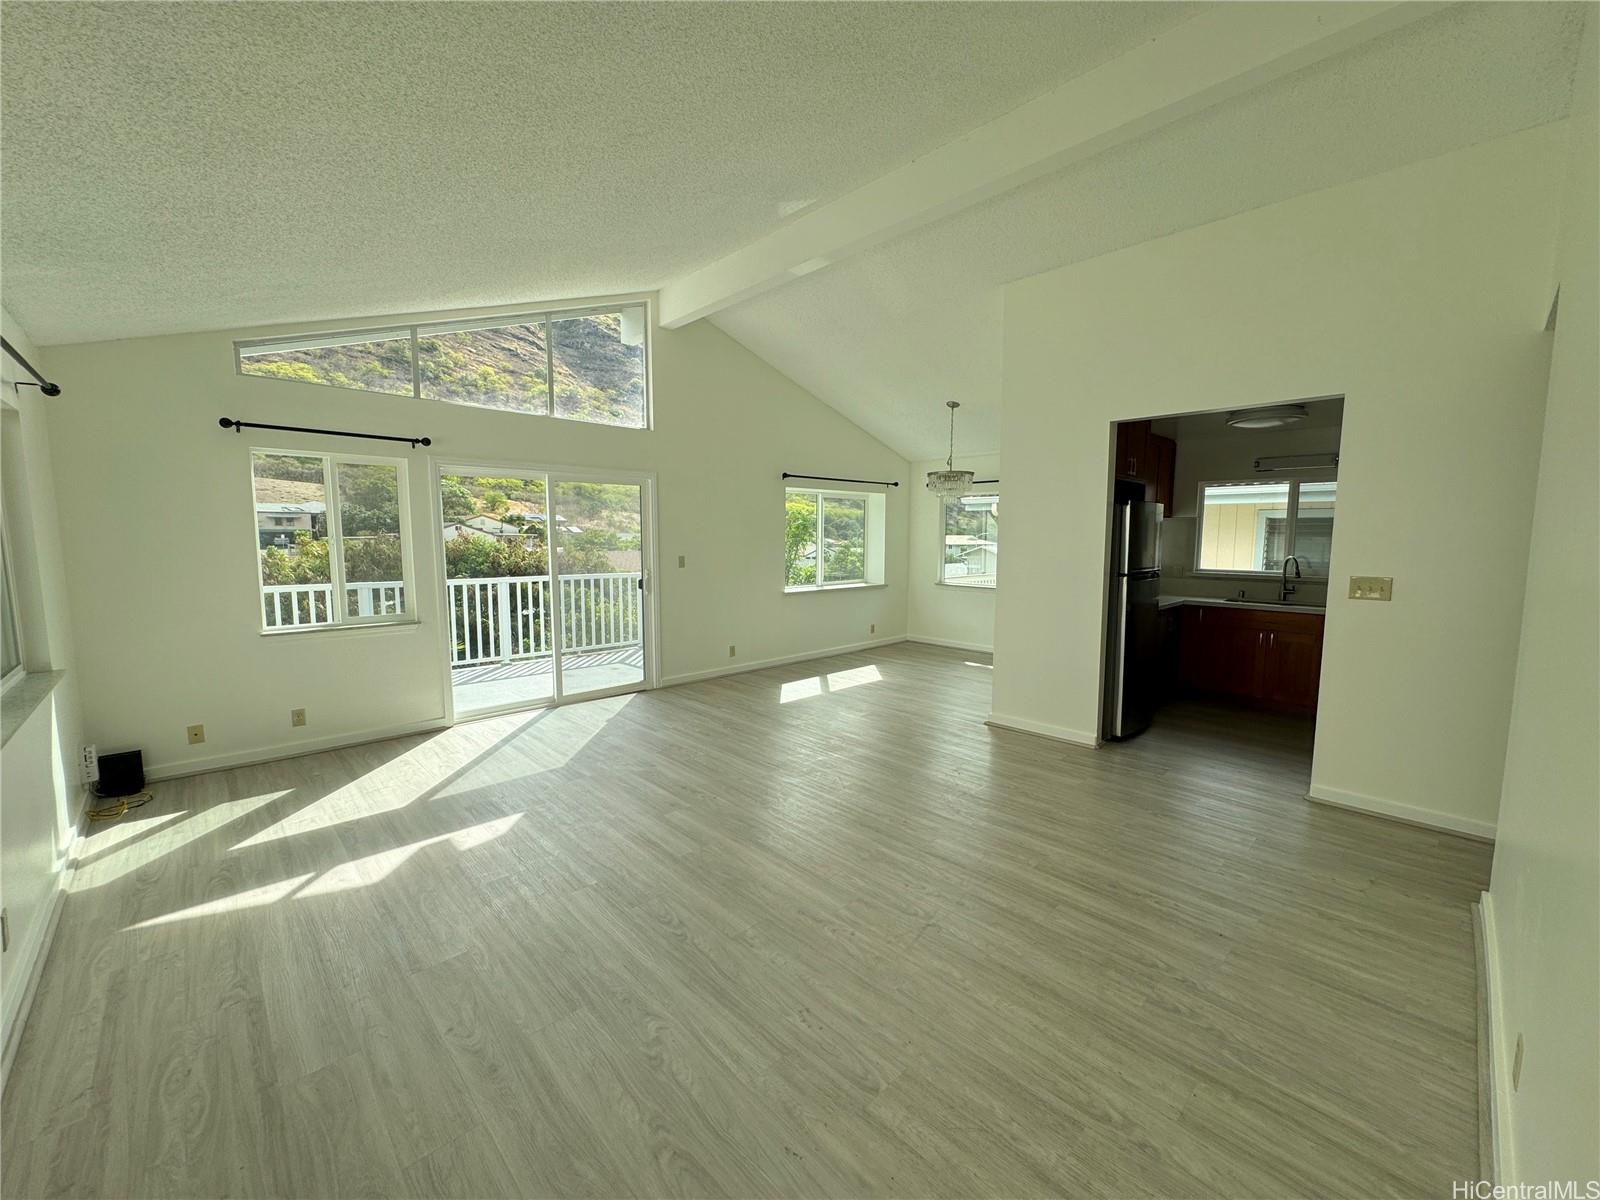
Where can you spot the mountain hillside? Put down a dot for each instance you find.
(597, 376)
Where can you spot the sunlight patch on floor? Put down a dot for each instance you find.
(269, 893)
(164, 839)
(374, 868)
(357, 873)
(107, 836)
(836, 681)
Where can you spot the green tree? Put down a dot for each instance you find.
(800, 540)
(456, 500)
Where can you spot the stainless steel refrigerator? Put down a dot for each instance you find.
(1134, 632)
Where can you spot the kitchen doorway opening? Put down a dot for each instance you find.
(1222, 539)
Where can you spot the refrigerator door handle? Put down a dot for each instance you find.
(1125, 554)
(1122, 656)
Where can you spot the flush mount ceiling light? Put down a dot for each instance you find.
(1268, 418)
(950, 483)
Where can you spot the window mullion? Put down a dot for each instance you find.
(416, 368)
(820, 579)
(336, 601)
(549, 368)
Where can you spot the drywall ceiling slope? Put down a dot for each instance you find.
(888, 336)
(172, 168)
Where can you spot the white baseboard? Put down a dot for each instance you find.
(1409, 813)
(263, 754)
(763, 664)
(1500, 1050)
(1060, 733)
(974, 647)
(32, 960)
(296, 749)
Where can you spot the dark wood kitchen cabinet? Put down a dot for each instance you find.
(1165, 460)
(1148, 458)
(1133, 450)
(1266, 657)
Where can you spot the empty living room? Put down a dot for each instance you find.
(508, 685)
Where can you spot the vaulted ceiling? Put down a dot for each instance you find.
(178, 167)
(172, 168)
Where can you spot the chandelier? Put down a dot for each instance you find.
(950, 483)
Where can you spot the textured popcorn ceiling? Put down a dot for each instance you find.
(178, 167)
(889, 335)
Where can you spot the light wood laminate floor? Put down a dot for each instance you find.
(809, 931)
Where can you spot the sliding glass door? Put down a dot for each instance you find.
(545, 585)
(598, 529)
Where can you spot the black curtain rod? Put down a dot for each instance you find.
(836, 479)
(977, 481)
(44, 385)
(236, 426)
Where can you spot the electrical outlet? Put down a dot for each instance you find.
(873, 628)
(91, 764)
(1371, 587)
(297, 717)
(683, 560)
(1516, 1066)
(197, 734)
(730, 651)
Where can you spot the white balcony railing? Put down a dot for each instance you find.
(502, 619)
(509, 618)
(290, 604)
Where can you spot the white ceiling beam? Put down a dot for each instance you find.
(1224, 52)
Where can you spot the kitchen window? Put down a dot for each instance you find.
(1249, 526)
(970, 548)
(832, 539)
(332, 540)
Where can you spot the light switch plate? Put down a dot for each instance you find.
(1371, 587)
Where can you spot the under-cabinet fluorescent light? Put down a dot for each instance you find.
(1297, 462)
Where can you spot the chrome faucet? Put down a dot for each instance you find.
(1285, 588)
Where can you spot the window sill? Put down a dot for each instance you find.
(22, 699)
(831, 587)
(964, 587)
(347, 629)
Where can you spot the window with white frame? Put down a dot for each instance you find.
(970, 548)
(10, 633)
(1249, 526)
(832, 539)
(332, 539)
(579, 364)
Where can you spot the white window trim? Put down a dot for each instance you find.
(939, 579)
(20, 671)
(1291, 515)
(243, 347)
(870, 521)
(336, 604)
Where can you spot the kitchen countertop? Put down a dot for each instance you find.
(1167, 602)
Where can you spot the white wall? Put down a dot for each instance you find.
(156, 515)
(1545, 894)
(41, 799)
(1228, 454)
(1419, 295)
(947, 616)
